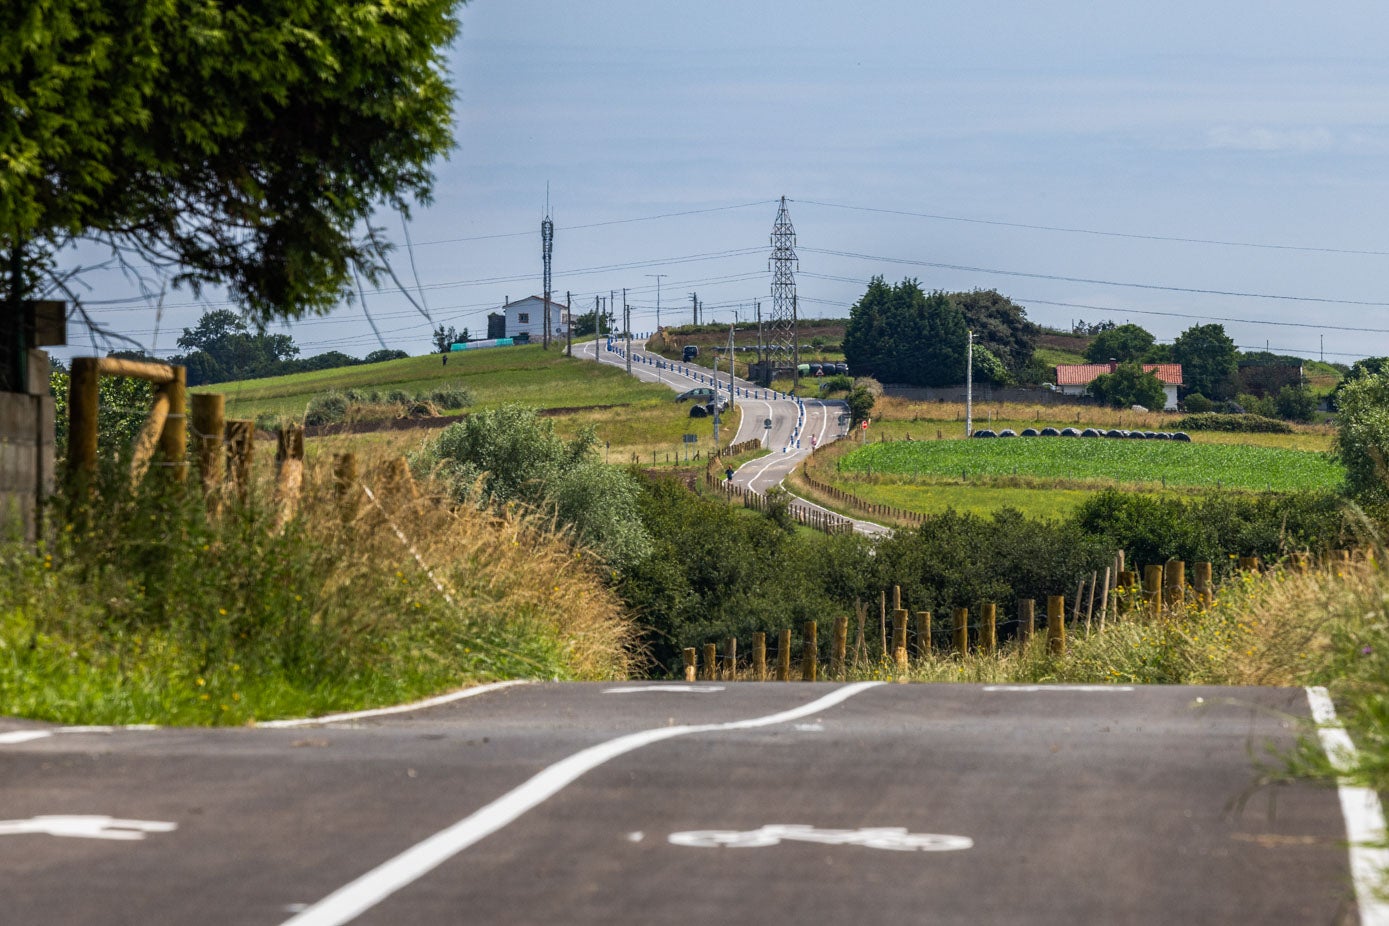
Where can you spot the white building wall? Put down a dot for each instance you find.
(527, 316)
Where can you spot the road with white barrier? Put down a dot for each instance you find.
(797, 425)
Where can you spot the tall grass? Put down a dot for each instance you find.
(155, 612)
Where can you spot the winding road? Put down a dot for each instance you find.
(797, 425)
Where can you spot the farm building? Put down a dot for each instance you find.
(527, 317)
(1075, 378)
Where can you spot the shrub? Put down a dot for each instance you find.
(452, 397)
(840, 382)
(328, 408)
(1362, 440)
(1197, 404)
(1239, 423)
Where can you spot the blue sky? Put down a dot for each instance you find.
(1248, 122)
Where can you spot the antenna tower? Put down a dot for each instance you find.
(783, 340)
(547, 246)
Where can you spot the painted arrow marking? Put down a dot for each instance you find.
(85, 827)
(895, 838)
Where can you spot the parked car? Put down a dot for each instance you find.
(700, 394)
(690, 353)
(714, 406)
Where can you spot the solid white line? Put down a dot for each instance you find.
(356, 898)
(387, 711)
(15, 737)
(1082, 688)
(1361, 808)
(693, 689)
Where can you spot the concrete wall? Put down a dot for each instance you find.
(983, 392)
(26, 452)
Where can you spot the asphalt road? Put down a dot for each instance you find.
(797, 426)
(659, 803)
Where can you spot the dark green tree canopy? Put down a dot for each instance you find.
(1126, 343)
(898, 334)
(1208, 359)
(221, 347)
(241, 144)
(1000, 325)
(1129, 384)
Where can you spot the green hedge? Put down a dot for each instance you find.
(1213, 421)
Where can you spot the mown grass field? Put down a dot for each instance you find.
(1066, 461)
(630, 417)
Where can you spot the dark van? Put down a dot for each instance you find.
(691, 352)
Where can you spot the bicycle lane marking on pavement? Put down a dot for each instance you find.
(360, 895)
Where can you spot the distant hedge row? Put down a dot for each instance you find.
(1214, 421)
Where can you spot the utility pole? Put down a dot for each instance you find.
(547, 246)
(627, 323)
(658, 296)
(766, 376)
(569, 328)
(694, 302)
(731, 391)
(598, 323)
(785, 334)
(969, 387)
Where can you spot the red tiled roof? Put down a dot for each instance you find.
(1082, 374)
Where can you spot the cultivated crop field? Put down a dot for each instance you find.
(1134, 462)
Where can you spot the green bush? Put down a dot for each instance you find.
(1249, 424)
(1362, 440)
(328, 408)
(452, 397)
(1197, 404)
(840, 382)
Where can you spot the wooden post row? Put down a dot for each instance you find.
(1056, 624)
(783, 657)
(840, 647)
(809, 653)
(759, 656)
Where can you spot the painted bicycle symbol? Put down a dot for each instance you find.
(85, 827)
(894, 838)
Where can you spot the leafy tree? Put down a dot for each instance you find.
(444, 339)
(587, 324)
(1126, 343)
(860, 402)
(898, 334)
(1000, 326)
(1362, 437)
(222, 348)
(1295, 403)
(232, 144)
(1208, 359)
(384, 354)
(988, 368)
(1129, 384)
(1367, 366)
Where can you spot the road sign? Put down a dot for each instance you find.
(767, 423)
(691, 438)
(863, 425)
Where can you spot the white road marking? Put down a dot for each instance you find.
(692, 689)
(376, 885)
(895, 838)
(1361, 808)
(86, 827)
(110, 728)
(638, 836)
(15, 737)
(387, 711)
(810, 728)
(1082, 688)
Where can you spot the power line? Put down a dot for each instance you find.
(1065, 279)
(1097, 232)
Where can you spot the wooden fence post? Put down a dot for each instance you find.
(1205, 592)
(1027, 619)
(711, 662)
(882, 624)
(731, 659)
(899, 638)
(209, 420)
(1056, 624)
(83, 391)
(690, 668)
(289, 473)
(841, 645)
(345, 485)
(759, 656)
(241, 449)
(1152, 590)
(173, 436)
(988, 632)
(147, 441)
(1104, 598)
(962, 631)
(783, 657)
(810, 653)
(1174, 584)
(923, 634)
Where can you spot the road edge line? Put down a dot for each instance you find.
(366, 891)
(1361, 808)
(387, 711)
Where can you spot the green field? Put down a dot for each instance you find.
(629, 416)
(1079, 460)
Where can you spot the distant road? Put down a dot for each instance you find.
(677, 804)
(794, 424)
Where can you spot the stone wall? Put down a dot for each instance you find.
(26, 452)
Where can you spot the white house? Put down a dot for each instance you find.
(527, 316)
(1075, 378)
